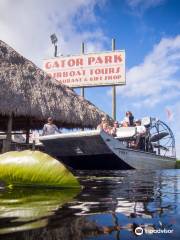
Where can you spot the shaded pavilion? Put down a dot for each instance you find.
(28, 96)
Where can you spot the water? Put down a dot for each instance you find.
(111, 205)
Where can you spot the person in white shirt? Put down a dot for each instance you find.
(140, 137)
(50, 128)
(140, 129)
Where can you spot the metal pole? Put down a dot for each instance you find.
(114, 102)
(55, 50)
(113, 88)
(82, 91)
(82, 51)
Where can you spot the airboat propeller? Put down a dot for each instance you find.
(161, 138)
(158, 136)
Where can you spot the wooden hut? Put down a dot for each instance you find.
(28, 96)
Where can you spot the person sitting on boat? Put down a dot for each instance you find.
(100, 126)
(50, 128)
(128, 121)
(131, 119)
(125, 121)
(114, 129)
(140, 129)
(106, 128)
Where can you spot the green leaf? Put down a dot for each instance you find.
(34, 168)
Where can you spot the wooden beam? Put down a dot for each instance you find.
(7, 141)
(27, 131)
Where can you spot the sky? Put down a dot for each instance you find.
(148, 31)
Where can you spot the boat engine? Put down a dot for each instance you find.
(160, 138)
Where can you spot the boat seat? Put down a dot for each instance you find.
(126, 133)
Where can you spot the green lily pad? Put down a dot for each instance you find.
(34, 168)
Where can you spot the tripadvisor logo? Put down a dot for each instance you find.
(138, 231)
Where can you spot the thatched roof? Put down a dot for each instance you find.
(29, 93)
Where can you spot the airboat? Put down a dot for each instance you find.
(95, 149)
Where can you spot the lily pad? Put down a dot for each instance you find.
(35, 168)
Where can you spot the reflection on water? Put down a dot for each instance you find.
(23, 209)
(111, 205)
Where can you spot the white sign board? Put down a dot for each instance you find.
(87, 70)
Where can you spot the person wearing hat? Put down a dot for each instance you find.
(50, 128)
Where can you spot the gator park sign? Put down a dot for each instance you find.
(88, 70)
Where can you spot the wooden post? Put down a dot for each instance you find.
(27, 131)
(34, 145)
(113, 89)
(82, 51)
(7, 142)
(9, 133)
(27, 135)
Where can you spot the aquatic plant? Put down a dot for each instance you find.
(34, 168)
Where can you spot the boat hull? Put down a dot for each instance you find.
(98, 150)
(95, 162)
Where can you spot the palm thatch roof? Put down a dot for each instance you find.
(30, 94)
